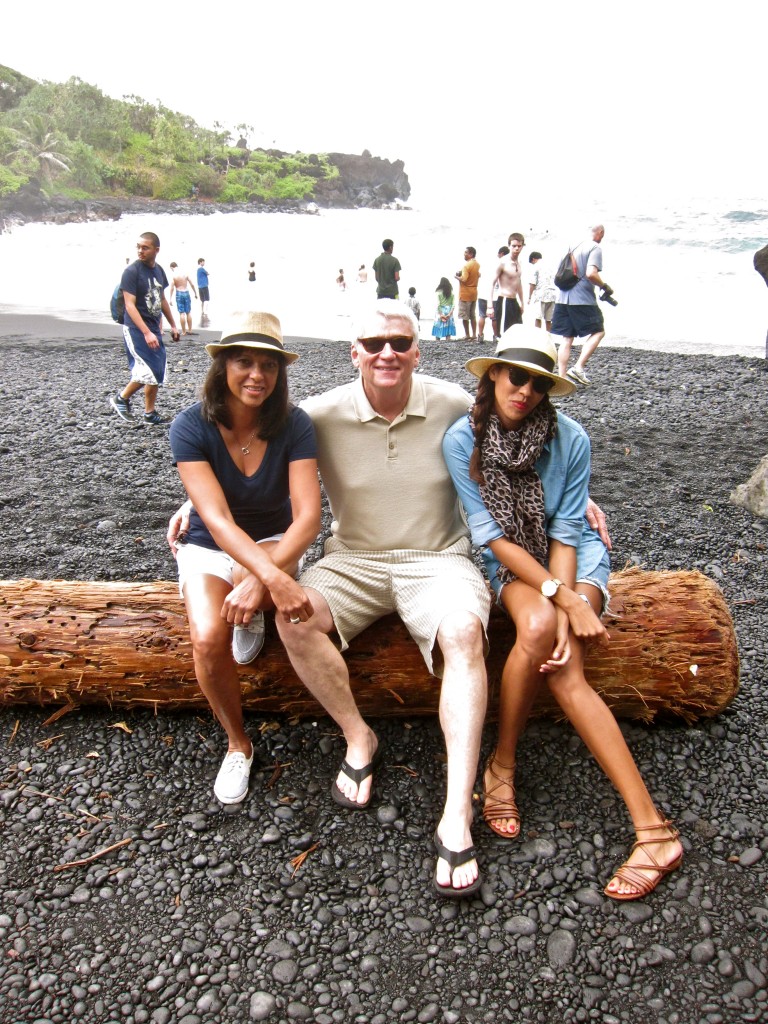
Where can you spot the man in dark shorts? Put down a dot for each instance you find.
(202, 284)
(577, 314)
(143, 284)
(507, 284)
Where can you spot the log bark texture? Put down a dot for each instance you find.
(672, 651)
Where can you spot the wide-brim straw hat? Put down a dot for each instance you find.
(530, 348)
(252, 330)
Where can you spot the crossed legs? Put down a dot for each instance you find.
(587, 712)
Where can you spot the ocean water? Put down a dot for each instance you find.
(682, 272)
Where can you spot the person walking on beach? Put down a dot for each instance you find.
(362, 275)
(468, 277)
(252, 273)
(386, 267)
(202, 284)
(577, 314)
(181, 283)
(541, 288)
(507, 284)
(521, 468)
(143, 284)
(444, 326)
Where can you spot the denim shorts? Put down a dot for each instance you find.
(577, 321)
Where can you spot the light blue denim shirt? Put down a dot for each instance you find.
(563, 468)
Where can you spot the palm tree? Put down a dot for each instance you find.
(36, 141)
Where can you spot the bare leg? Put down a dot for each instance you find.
(599, 730)
(463, 698)
(563, 355)
(324, 673)
(588, 348)
(150, 397)
(535, 623)
(214, 668)
(473, 321)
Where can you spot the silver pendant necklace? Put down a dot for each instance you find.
(246, 448)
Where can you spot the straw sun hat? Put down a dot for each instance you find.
(252, 330)
(529, 348)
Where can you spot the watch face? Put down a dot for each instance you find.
(549, 588)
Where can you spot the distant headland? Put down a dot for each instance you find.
(70, 153)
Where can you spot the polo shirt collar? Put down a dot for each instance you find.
(415, 406)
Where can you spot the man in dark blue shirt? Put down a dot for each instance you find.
(143, 284)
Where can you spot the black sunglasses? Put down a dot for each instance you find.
(520, 377)
(375, 345)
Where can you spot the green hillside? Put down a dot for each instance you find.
(74, 141)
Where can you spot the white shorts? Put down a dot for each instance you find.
(195, 560)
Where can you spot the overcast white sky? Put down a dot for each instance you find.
(665, 98)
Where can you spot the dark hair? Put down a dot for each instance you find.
(534, 256)
(481, 414)
(517, 237)
(387, 244)
(151, 237)
(472, 249)
(201, 260)
(215, 393)
(503, 250)
(445, 287)
(411, 290)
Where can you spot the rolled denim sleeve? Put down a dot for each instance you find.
(565, 478)
(457, 449)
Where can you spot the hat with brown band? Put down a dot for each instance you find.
(252, 330)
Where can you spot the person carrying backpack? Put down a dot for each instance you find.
(577, 314)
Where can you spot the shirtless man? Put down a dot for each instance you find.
(181, 283)
(508, 304)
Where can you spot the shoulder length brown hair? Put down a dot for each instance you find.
(273, 414)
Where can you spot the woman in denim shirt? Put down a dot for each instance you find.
(521, 469)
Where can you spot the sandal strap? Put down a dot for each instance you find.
(454, 858)
(357, 775)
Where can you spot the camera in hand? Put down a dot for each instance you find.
(606, 295)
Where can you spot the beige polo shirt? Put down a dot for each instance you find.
(387, 483)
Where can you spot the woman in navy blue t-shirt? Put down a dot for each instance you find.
(247, 459)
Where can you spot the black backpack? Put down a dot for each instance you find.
(567, 276)
(117, 305)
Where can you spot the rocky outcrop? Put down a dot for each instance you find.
(30, 203)
(364, 181)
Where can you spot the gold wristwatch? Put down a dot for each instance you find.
(550, 587)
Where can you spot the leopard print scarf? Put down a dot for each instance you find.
(512, 491)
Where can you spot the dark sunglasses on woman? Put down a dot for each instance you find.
(520, 377)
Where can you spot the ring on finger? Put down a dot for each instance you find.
(295, 621)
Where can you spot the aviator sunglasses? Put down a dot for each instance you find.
(520, 377)
(375, 345)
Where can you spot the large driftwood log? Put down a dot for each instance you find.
(672, 650)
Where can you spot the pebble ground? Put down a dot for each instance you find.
(204, 914)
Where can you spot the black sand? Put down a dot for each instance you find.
(200, 917)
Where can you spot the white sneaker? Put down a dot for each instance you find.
(579, 376)
(231, 783)
(248, 640)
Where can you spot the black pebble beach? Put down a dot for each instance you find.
(205, 916)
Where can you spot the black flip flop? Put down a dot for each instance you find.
(357, 775)
(454, 860)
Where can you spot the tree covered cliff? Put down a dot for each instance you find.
(71, 140)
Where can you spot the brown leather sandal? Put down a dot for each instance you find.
(632, 873)
(502, 809)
